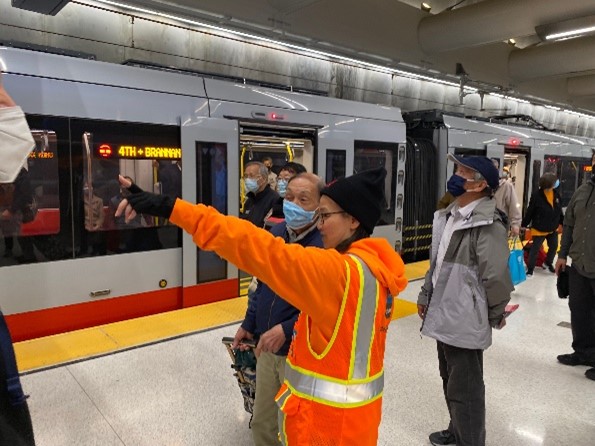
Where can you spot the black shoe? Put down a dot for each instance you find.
(442, 437)
(529, 273)
(572, 359)
(590, 374)
(549, 266)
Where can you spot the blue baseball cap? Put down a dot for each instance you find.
(480, 164)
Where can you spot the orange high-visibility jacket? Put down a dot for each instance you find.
(334, 376)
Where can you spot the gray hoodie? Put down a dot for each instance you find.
(474, 283)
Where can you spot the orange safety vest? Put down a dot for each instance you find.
(335, 397)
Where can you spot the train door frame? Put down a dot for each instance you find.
(500, 150)
(215, 132)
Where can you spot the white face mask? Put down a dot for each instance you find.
(16, 142)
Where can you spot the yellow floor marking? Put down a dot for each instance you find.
(416, 270)
(403, 308)
(65, 347)
(79, 344)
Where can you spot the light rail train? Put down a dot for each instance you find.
(75, 265)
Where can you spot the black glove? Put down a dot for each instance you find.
(147, 203)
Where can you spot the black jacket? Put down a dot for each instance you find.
(541, 215)
(258, 206)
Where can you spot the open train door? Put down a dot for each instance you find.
(209, 176)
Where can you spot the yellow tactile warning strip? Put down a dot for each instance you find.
(96, 341)
(66, 347)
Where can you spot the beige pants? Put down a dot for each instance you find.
(270, 372)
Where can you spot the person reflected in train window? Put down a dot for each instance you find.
(270, 319)
(15, 420)
(507, 201)
(272, 176)
(94, 219)
(170, 177)
(578, 243)
(15, 201)
(288, 171)
(260, 198)
(544, 215)
(464, 294)
(333, 385)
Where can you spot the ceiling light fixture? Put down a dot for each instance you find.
(426, 7)
(566, 29)
(511, 42)
(571, 33)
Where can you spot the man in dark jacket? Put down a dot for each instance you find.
(578, 243)
(260, 198)
(544, 215)
(269, 318)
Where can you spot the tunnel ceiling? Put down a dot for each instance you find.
(399, 34)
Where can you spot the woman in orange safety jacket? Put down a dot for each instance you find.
(334, 377)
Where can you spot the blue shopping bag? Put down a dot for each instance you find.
(516, 265)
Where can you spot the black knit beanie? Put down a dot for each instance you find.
(360, 195)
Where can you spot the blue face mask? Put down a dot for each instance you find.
(295, 216)
(251, 185)
(556, 184)
(282, 187)
(456, 185)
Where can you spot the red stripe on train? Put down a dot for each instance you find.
(35, 324)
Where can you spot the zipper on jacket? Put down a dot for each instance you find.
(271, 312)
(476, 308)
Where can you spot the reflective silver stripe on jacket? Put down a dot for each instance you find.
(333, 392)
(368, 299)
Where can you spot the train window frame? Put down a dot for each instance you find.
(209, 156)
(389, 209)
(331, 155)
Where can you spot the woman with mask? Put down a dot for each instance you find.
(334, 375)
(544, 215)
(270, 319)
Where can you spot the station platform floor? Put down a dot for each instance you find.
(181, 391)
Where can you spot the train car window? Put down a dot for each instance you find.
(336, 164)
(34, 220)
(211, 189)
(370, 154)
(150, 156)
(465, 151)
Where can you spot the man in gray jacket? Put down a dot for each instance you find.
(465, 293)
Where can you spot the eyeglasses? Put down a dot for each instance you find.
(324, 215)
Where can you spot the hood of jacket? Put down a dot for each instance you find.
(386, 265)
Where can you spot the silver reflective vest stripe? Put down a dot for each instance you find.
(331, 391)
(368, 300)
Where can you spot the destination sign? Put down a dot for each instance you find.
(138, 152)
